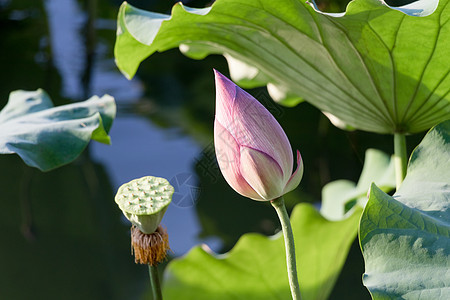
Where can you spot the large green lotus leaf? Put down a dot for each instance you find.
(373, 67)
(256, 267)
(48, 137)
(250, 77)
(340, 197)
(406, 238)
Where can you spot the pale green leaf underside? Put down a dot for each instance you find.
(406, 238)
(340, 197)
(48, 137)
(375, 68)
(256, 267)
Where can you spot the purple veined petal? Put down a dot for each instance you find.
(262, 173)
(225, 97)
(296, 177)
(228, 157)
(251, 124)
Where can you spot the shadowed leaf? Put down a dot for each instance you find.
(48, 137)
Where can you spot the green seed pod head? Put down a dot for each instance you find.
(144, 201)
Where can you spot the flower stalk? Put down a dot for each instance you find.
(289, 244)
(154, 282)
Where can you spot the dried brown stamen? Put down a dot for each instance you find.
(149, 249)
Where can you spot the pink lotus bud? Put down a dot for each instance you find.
(253, 152)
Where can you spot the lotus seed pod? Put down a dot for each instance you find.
(144, 201)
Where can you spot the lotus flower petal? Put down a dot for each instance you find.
(295, 179)
(251, 124)
(253, 152)
(228, 157)
(262, 173)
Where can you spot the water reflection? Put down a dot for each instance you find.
(66, 21)
(68, 39)
(141, 149)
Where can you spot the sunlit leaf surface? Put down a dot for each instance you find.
(406, 238)
(256, 267)
(373, 67)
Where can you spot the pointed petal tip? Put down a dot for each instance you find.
(220, 77)
(217, 73)
(225, 95)
(299, 158)
(299, 162)
(296, 177)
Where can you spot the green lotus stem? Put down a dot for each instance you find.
(280, 208)
(400, 158)
(154, 282)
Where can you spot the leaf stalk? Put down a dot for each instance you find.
(400, 159)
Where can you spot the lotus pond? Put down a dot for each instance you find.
(364, 97)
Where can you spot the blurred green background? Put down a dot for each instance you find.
(63, 237)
